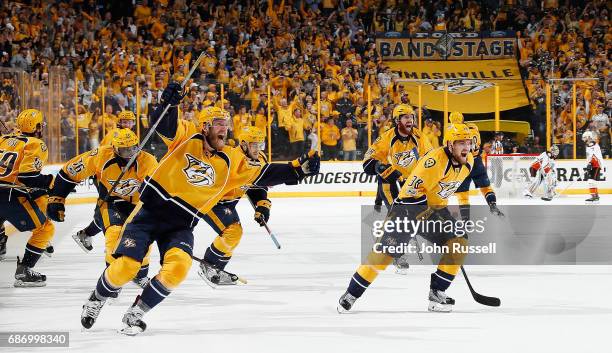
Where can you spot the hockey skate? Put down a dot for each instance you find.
(216, 277)
(527, 194)
(440, 302)
(593, 199)
(26, 277)
(141, 281)
(546, 198)
(3, 239)
(132, 319)
(345, 303)
(401, 265)
(83, 240)
(91, 310)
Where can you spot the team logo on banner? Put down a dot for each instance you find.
(461, 86)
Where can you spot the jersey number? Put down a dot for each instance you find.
(7, 162)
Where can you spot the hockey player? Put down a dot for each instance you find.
(105, 164)
(223, 218)
(478, 174)
(125, 120)
(22, 156)
(424, 195)
(594, 161)
(542, 170)
(191, 179)
(395, 152)
(393, 156)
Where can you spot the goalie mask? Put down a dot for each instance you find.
(554, 151)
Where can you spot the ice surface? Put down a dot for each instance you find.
(289, 303)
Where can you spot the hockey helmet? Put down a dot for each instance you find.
(455, 118)
(29, 120)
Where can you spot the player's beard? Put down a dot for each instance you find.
(215, 139)
(405, 129)
(460, 154)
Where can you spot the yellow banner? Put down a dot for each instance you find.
(471, 85)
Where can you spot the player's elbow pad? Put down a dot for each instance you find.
(63, 185)
(36, 180)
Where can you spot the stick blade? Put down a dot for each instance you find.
(484, 300)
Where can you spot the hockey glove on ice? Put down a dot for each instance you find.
(55, 208)
(262, 212)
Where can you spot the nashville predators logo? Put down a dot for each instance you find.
(199, 173)
(448, 188)
(126, 187)
(129, 243)
(404, 159)
(461, 86)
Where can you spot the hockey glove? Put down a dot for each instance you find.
(55, 208)
(496, 211)
(172, 94)
(388, 172)
(588, 173)
(262, 212)
(308, 164)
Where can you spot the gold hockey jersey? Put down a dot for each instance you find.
(400, 152)
(106, 167)
(434, 179)
(21, 161)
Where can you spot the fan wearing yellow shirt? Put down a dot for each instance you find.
(330, 134)
(423, 197)
(106, 163)
(195, 174)
(22, 156)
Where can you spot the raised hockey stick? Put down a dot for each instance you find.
(272, 236)
(152, 130)
(479, 298)
(8, 131)
(239, 279)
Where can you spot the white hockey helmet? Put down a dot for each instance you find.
(589, 135)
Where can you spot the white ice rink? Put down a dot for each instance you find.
(289, 304)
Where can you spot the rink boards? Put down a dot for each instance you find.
(344, 179)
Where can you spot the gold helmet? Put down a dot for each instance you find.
(208, 114)
(28, 120)
(127, 115)
(457, 132)
(455, 118)
(125, 143)
(402, 109)
(252, 134)
(124, 138)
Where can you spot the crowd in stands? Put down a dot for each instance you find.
(295, 47)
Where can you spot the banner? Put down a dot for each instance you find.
(447, 45)
(472, 86)
(348, 179)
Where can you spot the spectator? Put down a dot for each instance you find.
(349, 141)
(296, 133)
(330, 134)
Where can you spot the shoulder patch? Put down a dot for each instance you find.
(93, 152)
(43, 147)
(429, 162)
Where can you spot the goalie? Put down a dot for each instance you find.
(542, 171)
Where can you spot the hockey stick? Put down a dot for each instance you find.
(272, 236)
(479, 298)
(8, 131)
(22, 188)
(239, 279)
(152, 130)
